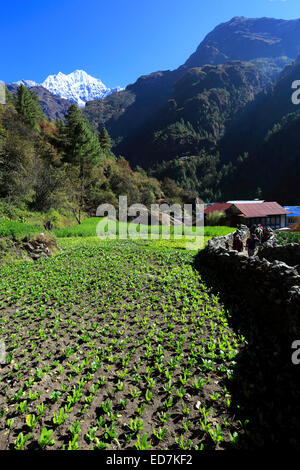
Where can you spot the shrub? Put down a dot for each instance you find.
(216, 218)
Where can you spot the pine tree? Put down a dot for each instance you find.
(8, 97)
(104, 139)
(28, 106)
(82, 150)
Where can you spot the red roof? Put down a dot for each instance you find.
(263, 209)
(218, 206)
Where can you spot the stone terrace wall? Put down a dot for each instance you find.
(271, 289)
(289, 254)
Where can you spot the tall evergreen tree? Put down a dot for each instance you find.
(8, 97)
(28, 106)
(82, 150)
(104, 139)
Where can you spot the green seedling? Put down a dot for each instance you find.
(142, 443)
(55, 396)
(106, 406)
(110, 432)
(46, 438)
(140, 409)
(21, 440)
(123, 403)
(163, 416)
(160, 433)
(135, 392)
(31, 420)
(75, 429)
(10, 422)
(91, 434)
(21, 407)
(148, 395)
(168, 403)
(184, 445)
(136, 425)
(41, 409)
(199, 383)
(60, 417)
(99, 445)
(216, 434)
(234, 438)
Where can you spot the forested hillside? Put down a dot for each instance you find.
(267, 135)
(64, 166)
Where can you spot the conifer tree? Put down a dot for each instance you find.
(83, 149)
(28, 106)
(8, 97)
(104, 139)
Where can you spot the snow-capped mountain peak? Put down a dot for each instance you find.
(27, 83)
(77, 87)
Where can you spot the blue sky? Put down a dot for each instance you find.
(115, 40)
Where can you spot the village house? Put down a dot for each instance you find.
(268, 214)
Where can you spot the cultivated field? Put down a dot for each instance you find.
(115, 345)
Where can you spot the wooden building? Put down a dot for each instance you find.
(268, 214)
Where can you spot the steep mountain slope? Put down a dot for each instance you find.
(258, 118)
(205, 100)
(134, 113)
(269, 133)
(247, 39)
(53, 106)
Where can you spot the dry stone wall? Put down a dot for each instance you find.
(289, 254)
(269, 287)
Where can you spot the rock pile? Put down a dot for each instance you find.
(42, 246)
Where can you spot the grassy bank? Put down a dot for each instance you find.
(16, 230)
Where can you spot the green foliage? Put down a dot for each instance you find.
(104, 139)
(61, 168)
(8, 97)
(13, 229)
(291, 237)
(215, 218)
(82, 145)
(28, 106)
(200, 174)
(178, 138)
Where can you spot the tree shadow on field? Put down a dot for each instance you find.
(265, 385)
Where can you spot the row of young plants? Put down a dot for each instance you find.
(115, 345)
(88, 228)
